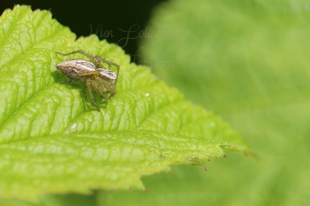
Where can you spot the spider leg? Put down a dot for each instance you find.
(69, 82)
(89, 74)
(105, 86)
(92, 59)
(88, 85)
(99, 88)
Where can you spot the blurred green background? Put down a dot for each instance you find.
(249, 62)
(246, 60)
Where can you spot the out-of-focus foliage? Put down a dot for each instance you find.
(248, 61)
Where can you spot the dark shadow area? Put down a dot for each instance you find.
(119, 21)
(71, 199)
(61, 78)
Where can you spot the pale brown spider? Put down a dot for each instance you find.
(97, 78)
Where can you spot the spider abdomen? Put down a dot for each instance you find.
(74, 67)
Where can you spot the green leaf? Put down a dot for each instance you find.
(248, 61)
(54, 140)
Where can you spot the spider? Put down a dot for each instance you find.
(96, 77)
